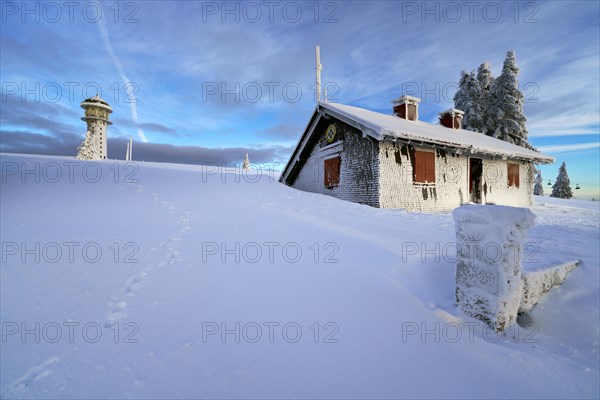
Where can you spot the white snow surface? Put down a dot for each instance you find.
(394, 276)
(380, 126)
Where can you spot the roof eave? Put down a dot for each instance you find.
(541, 159)
(294, 158)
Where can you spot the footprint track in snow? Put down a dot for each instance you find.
(18, 388)
(118, 312)
(118, 306)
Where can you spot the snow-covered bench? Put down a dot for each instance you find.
(490, 282)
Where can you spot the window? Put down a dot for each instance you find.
(513, 175)
(332, 172)
(424, 167)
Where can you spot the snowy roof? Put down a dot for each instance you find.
(96, 101)
(385, 126)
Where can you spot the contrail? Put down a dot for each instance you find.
(128, 86)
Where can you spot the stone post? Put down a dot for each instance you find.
(490, 243)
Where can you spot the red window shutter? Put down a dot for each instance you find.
(424, 167)
(332, 172)
(336, 171)
(513, 175)
(418, 173)
(430, 167)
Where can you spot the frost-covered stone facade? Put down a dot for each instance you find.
(451, 188)
(397, 186)
(377, 168)
(359, 172)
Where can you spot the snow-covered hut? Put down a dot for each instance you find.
(397, 161)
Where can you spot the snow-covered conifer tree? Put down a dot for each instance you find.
(486, 80)
(562, 186)
(538, 188)
(468, 99)
(506, 105)
(460, 97)
(89, 148)
(485, 77)
(246, 165)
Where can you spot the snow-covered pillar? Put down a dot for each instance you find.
(490, 243)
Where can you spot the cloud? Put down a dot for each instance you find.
(129, 87)
(171, 61)
(12, 104)
(14, 141)
(25, 49)
(198, 155)
(281, 131)
(150, 126)
(566, 148)
(40, 118)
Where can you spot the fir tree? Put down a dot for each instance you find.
(562, 186)
(538, 188)
(89, 148)
(485, 80)
(468, 99)
(506, 105)
(460, 97)
(246, 165)
(485, 77)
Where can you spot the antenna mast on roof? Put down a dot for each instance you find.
(318, 68)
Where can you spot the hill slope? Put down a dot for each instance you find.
(332, 299)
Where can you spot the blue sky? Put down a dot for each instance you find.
(214, 80)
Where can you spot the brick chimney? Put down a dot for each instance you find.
(451, 118)
(407, 107)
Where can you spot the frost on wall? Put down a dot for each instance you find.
(490, 242)
(89, 148)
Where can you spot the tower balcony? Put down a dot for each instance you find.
(90, 118)
(96, 102)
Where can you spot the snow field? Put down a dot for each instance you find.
(379, 322)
